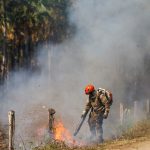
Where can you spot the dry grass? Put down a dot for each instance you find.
(62, 146)
(3, 137)
(141, 129)
(139, 133)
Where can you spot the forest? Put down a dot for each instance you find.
(24, 25)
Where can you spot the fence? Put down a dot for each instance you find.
(133, 115)
(125, 115)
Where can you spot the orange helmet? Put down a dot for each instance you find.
(89, 88)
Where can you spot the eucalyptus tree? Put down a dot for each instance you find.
(27, 23)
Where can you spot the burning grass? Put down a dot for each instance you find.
(57, 145)
(140, 132)
(61, 133)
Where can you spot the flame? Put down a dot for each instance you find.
(61, 133)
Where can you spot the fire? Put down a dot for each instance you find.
(62, 134)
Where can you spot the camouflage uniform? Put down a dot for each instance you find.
(98, 103)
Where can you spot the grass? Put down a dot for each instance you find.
(136, 133)
(61, 146)
(141, 129)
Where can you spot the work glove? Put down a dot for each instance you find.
(105, 115)
(83, 114)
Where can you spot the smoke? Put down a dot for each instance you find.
(110, 49)
(114, 37)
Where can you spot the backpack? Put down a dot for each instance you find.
(107, 94)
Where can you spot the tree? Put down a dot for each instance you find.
(28, 23)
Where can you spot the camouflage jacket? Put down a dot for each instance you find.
(99, 102)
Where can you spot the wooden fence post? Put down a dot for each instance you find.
(121, 114)
(11, 122)
(148, 108)
(135, 111)
(51, 121)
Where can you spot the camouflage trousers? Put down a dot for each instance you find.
(95, 124)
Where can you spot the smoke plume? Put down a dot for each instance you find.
(110, 49)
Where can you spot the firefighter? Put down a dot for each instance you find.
(98, 104)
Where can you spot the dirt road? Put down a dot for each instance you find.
(139, 146)
(136, 144)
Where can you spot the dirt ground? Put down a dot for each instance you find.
(136, 144)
